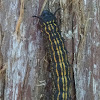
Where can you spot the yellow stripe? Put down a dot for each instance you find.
(64, 65)
(49, 28)
(63, 49)
(59, 62)
(60, 48)
(59, 57)
(63, 62)
(60, 37)
(61, 68)
(55, 62)
(52, 26)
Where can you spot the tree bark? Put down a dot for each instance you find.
(86, 49)
(23, 63)
(22, 50)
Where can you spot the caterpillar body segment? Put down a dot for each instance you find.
(57, 55)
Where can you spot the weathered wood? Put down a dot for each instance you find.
(22, 54)
(87, 47)
(22, 49)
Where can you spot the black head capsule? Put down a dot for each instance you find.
(47, 16)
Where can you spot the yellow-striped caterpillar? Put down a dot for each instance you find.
(57, 55)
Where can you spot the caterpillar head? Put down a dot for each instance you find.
(47, 16)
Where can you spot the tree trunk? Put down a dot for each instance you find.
(87, 46)
(23, 63)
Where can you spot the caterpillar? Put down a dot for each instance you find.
(57, 55)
